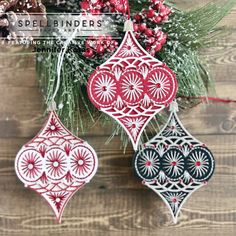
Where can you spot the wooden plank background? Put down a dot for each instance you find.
(115, 203)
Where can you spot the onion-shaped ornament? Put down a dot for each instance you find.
(56, 164)
(174, 164)
(132, 86)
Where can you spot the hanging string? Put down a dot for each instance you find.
(52, 104)
(128, 26)
(128, 9)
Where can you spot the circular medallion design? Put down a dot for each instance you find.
(161, 85)
(132, 87)
(55, 164)
(173, 163)
(82, 162)
(30, 165)
(200, 164)
(104, 88)
(147, 163)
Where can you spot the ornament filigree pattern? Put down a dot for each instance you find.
(182, 164)
(173, 163)
(56, 164)
(105, 89)
(141, 87)
(148, 163)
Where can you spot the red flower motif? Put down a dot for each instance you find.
(82, 162)
(58, 199)
(31, 166)
(56, 164)
(54, 128)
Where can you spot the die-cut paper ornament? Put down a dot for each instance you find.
(56, 164)
(174, 164)
(132, 86)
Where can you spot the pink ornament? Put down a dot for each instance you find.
(56, 164)
(132, 87)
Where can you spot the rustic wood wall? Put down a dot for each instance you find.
(115, 203)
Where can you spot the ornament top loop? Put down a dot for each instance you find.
(52, 106)
(128, 26)
(59, 66)
(174, 107)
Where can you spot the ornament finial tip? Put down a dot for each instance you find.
(174, 106)
(175, 220)
(52, 106)
(128, 26)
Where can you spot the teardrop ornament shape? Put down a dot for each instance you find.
(132, 87)
(174, 164)
(56, 164)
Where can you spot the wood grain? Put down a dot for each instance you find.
(115, 203)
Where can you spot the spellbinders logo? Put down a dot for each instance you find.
(54, 25)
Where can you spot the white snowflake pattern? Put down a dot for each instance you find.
(149, 163)
(134, 125)
(132, 87)
(198, 164)
(105, 88)
(173, 128)
(130, 49)
(173, 163)
(159, 86)
(174, 200)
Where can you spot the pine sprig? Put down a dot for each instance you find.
(188, 33)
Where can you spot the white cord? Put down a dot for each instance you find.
(52, 104)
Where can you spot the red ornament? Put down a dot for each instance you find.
(132, 87)
(56, 164)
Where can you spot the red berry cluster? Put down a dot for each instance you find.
(145, 23)
(154, 39)
(157, 13)
(99, 45)
(102, 44)
(101, 6)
